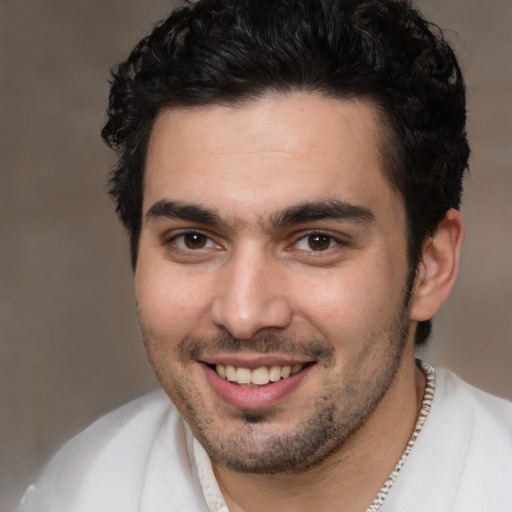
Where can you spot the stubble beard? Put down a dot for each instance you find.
(256, 446)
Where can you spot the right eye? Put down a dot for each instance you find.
(192, 240)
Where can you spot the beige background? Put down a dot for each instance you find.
(69, 346)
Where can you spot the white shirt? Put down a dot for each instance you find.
(143, 457)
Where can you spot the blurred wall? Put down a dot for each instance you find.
(69, 342)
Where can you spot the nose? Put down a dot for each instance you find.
(250, 296)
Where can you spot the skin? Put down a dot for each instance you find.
(229, 270)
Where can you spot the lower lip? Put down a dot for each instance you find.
(260, 397)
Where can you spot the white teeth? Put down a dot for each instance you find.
(230, 373)
(243, 376)
(275, 373)
(259, 376)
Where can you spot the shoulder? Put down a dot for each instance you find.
(458, 398)
(462, 459)
(474, 429)
(481, 425)
(106, 461)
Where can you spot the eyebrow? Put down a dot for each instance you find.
(302, 213)
(185, 211)
(315, 211)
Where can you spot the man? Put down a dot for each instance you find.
(289, 175)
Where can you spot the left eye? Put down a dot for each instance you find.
(316, 242)
(192, 240)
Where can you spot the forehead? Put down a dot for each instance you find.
(267, 153)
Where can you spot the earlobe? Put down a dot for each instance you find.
(438, 268)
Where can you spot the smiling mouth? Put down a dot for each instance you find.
(261, 376)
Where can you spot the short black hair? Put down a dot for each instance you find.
(228, 51)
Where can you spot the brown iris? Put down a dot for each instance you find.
(319, 242)
(195, 240)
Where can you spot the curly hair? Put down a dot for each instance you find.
(228, 51)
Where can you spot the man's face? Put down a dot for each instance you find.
(271, 275)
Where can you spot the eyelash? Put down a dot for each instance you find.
(331, 240)
(208, 240)
(322, 236)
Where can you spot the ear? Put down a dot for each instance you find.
(438, 267)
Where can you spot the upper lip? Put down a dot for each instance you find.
(254, 360)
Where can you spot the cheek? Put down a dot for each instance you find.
(351, 302)
(171, 304)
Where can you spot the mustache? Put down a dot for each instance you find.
(192, 348)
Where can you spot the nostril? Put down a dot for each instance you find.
(244, 321)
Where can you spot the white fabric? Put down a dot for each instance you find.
(143, 457)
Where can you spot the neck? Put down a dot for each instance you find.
(350, 479)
